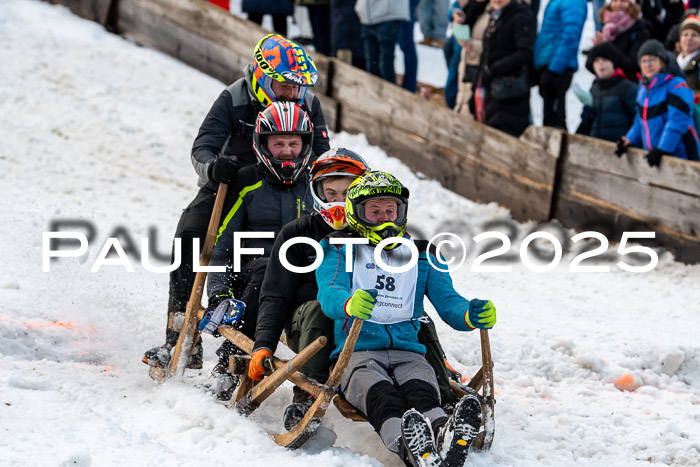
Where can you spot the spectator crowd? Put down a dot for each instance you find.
(644, 56)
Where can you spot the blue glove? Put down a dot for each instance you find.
(361, 304)
(229, 311)
(482, 314)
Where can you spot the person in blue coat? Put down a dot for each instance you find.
(664, 121)
(388, 378)
(556, 55)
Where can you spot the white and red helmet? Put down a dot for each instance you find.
(283, 118)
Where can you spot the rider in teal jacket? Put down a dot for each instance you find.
(335, 289)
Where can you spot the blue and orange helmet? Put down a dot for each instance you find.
(279, 59)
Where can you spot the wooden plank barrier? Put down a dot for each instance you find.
(600, 192)
(544, 174)
(93, 10)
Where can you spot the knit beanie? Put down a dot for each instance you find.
(653, 47)
(606, 50)
(691, 22)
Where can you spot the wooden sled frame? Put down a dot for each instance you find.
(250, 395)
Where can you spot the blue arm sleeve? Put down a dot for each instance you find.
(450, 305)
(680, 110)
(573, 19)
(334, 284)
(634, 134)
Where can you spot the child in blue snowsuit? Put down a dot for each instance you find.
(664, 122)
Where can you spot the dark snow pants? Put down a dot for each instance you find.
(308, 323)
(554, 97)
(193, 224)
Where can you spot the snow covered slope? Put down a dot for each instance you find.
(96, 128)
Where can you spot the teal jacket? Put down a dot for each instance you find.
(335, 288)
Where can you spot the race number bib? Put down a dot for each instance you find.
(396, 291)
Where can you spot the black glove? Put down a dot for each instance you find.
(621, 148)
(224, 169)
(549, 80)
(654, 157)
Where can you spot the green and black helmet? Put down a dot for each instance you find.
(376, 185)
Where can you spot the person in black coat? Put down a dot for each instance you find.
(507, 58)
(613, 107)
(628, 38)
(662, 15)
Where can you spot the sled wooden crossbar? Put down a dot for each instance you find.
(244, 343)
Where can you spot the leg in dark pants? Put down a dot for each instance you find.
(387, 35)
(279, 22)
(554, 107)
(346, 31)
(320, 18)
(308, 324)
(371, 49)
(193, 224)
(252, 276)
(408, 47)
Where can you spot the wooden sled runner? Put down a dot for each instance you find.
(483, 379)
(249, 395)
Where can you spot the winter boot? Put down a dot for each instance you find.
(160, 356)
(417, 444)
(301, 402)
(460, 430)
(224, 383)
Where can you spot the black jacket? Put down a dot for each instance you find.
(508, 44)
(629, 42)
(282, 290)
(672, 14)
(255, 202)
(228, 128)
(613, 110)
(509, 41)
